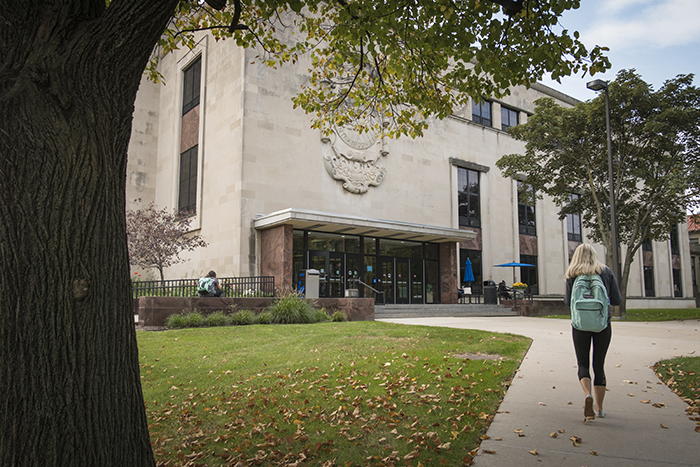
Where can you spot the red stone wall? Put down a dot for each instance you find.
(449, 282)
(276, 255)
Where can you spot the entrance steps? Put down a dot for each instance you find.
(440, 311)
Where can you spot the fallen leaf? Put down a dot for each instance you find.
(533, 452)
(663, 426)
(594, 453)
(553, 434)
(501, 439)
(645, 401)
(487, 451)
(658, 405)
(576, 440)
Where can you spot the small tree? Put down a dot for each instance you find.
(156, 238)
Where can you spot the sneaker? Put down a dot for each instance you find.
(588, 410)
(600, 413)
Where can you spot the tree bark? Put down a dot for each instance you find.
(70, 391)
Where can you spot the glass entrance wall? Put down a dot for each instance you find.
(402, 271)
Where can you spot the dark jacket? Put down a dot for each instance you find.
(610, 284)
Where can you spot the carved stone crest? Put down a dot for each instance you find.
(354, 158)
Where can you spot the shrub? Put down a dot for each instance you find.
(339, 317)
(218, 318)
(292, 309)
(321, 315)
(263, 318)
(194, 319)
(242, 318)
(176, 321)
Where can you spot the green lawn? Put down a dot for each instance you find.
(682, 375)
(331, 394)
(656, 314)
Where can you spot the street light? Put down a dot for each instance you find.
(600, 85)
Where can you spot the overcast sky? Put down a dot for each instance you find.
(658, 38)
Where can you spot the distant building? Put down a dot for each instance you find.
(694, 239)
(271, 196)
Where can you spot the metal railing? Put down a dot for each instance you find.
(370, 288)
(255, 286)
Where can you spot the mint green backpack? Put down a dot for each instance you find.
(204, 285)
(590, 304)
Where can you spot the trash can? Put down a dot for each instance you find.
(490, 293)
(308, 282)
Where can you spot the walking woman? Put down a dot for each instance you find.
(585, 261)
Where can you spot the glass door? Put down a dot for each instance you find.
(330, 265)
(336, 280)
(403, 280)
(416, 281)
(319, 260)
(386, 278)
(352, 271)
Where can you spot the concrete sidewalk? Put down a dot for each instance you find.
(546, 398)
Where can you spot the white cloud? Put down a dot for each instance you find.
(623, 24)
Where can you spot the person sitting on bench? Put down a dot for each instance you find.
(503, 291)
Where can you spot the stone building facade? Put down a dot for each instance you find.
(271, 196)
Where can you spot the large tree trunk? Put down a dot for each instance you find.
(70, 391)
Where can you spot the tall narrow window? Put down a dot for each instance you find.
(189, 138)
(191, 84)
(649, 281)
(526, 209)
(675, 249)
(468, 197)
(573, 222)
(677, 283)
(481, 112)
(529, 275)
(509, 118)
(187, 202)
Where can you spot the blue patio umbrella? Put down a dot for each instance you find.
(514, 265)
(468, 272)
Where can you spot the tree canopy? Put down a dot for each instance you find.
(402, 61)
(655, 152)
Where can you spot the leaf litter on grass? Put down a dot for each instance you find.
(427, 407)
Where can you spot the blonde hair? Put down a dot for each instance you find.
(584, 261)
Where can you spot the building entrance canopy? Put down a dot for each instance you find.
(354, 225)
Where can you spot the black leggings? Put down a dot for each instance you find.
(582, 346)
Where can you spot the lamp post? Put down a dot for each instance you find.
(600, 85)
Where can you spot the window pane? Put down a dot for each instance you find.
(474, 207)
(190, 86)
(462, 179)
(187, 195)
(370, 246)
(431, 251)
